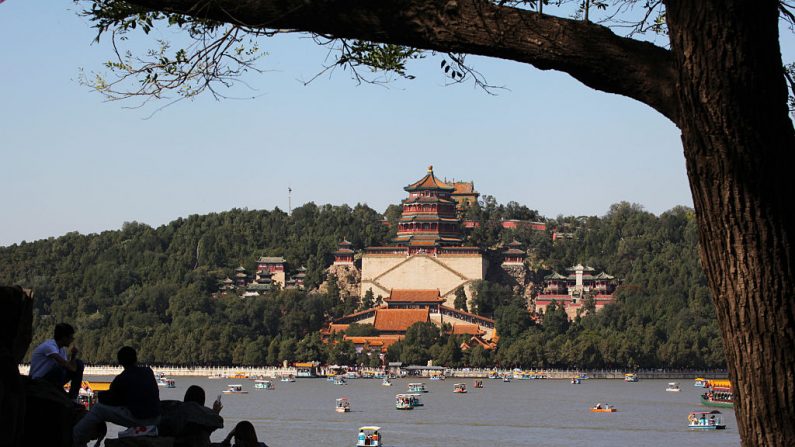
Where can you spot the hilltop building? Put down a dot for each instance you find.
(276, 266)
(428, 251)
(405, 307)
(571, 291)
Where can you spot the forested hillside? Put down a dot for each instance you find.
(152, 288)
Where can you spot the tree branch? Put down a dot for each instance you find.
(592, 54)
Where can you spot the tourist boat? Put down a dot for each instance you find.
(352, 375)
(506, 378)
(672, 387)
(343, 405)
(164, 381)
(478, 384)
(403, 402)
(415, 400)
(700, 382)
(263, 384)
(493, 375)
(439, 377)
(88, 394)
(603, 408)
(216, 376)
(238, 375)
(339, 380)
(386, 382)
(369, 436)
(417, 388)
(719, 394)
(575, 380)
(234, 389)
(705, 420)
(287, 378)
(630, 377)
(460, 388)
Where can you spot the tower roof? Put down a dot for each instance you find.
(429, 182)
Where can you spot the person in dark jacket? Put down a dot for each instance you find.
(132, 401)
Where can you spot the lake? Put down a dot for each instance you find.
(543, 413)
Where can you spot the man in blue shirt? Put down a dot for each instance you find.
(50, 361)
(133, 401)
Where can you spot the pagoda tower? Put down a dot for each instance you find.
(429, 216)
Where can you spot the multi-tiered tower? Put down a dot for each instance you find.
(429, 215)
(428, 251)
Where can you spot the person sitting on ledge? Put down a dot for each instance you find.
(190, 422)
(50, 362)
(133, 401)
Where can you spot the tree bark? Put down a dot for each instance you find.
(739, 147)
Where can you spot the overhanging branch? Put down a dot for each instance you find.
(592, 54)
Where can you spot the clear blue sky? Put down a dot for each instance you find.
(72, 162)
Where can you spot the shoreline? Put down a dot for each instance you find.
(274, 372)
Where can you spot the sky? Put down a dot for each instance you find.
(73, 162)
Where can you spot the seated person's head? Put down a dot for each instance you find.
(194, 393)
(64, 334)
(127, 357)
(245, 435)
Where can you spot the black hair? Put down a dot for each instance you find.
(127, 356)
(63, 330)
(194, 393)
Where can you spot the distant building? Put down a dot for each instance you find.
(514, 254)
(570, 291)
(276, 266)
(241, 278)
(428, 250)
(344, 253)
(464, 194)
(406, 307)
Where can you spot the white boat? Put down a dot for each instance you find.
(287, 378)
(234, 389)
(460, 388)
(216, 376)
(164, 381)
(403, 402)
(369, 436)
(263, 384)
(343, 405)
(700, 382)
(631, 377)
(339, 380)
(417, 388)
(386, 382)
(705, 420)
(672, 387)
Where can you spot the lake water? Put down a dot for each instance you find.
(543, 413)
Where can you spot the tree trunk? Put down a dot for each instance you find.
(739, 145)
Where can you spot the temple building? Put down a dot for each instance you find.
(241, 278)
(344, 253)
(401, 309)
(570, 291)
(276, 266)
(428, 250)
(514, 254)
(464, 195)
